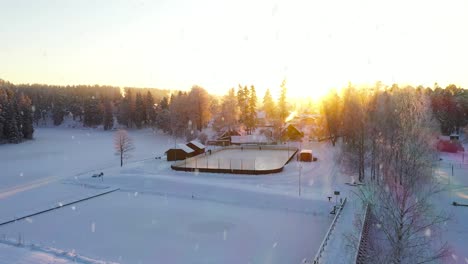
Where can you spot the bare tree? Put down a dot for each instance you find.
(123, 144)
(406, 223)
(331, 108)
(354, 129)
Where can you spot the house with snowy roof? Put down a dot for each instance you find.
(180, 152)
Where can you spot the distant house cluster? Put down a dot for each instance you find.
(184, 151)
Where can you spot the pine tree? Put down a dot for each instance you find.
(150, 109)
(282, 105)
(252, 110)
(3, 102)
(25, 111)
(93, 114)
(242, 98)
(269, 105)
(58, 111)
(126, 109)
(108, 121)
(140, 111)
(12, 133)
(164, 104)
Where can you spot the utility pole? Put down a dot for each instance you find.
(300, 172)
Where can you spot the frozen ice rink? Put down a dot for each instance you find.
(250, 158)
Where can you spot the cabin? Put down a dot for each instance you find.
(180, 152)
(305, 155)
(291, 132)
(198, 147)
(224, 139)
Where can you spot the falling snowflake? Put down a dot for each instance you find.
(428, 232)
(455, 257)
(225, 235)
(93, 227)
(73, 208)
(73, 137)
(21, 174)
(60, 204)
(29, 220)
(275, 244)
(135, 194)
(387, 189)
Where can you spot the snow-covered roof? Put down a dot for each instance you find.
(249, 139)
(197, 144)
(306, 151)
(185, 148)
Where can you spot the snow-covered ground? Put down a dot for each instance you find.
(20, 255)
(456, 190)
(160, 215)
(57, 153)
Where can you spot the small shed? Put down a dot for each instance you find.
(305, 155)
(454, 136)
(198, 147)
(180, 152)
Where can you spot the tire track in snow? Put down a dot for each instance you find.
(26, 186)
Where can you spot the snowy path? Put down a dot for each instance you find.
(338, 250)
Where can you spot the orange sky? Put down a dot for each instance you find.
(315, 45)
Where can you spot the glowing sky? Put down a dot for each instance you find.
(219, 44)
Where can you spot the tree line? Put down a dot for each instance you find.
(16, 123)
(178, 113)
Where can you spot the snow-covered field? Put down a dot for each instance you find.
(59, 152)
(456, 190)
(160, 215)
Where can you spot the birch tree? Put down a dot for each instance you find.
(123, 145)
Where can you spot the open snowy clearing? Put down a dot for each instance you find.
(455, 190)
(133, 228)
(161, 215)
(57, 153)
